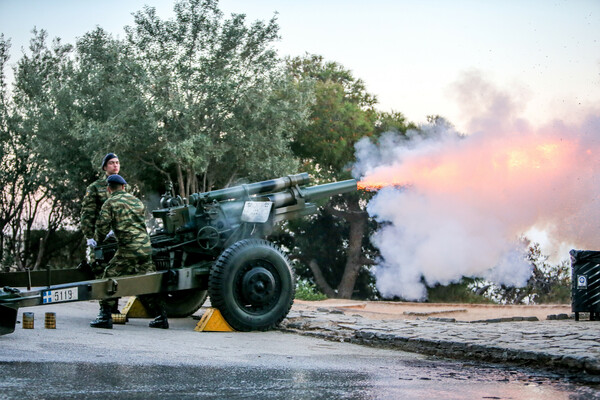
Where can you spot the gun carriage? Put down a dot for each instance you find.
(209, 245)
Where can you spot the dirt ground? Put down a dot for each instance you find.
(405, 310)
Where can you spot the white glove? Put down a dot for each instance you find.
(109, 234)
(91, 242)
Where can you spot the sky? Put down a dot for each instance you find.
(412, 55)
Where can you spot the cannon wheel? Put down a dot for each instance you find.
(252, 284)
(178, 304)
(184, 302)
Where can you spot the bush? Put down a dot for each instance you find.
(456, 293)
(308, 291)
(548, 283)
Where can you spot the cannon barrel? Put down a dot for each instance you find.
(312, 193)
(241, 191)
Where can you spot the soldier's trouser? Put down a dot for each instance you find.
(154, 302)
(112, 303)
(121, 265)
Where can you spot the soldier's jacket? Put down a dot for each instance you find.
(95, 195)
(124, 214)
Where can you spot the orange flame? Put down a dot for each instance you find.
(516, 161)
(375, 186)
(371, 186)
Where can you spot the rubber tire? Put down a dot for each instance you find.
(178, 304)
(184, 302)
(225, 285)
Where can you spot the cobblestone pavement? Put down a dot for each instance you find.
(558, 344)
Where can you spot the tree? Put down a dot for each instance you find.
(342, 115)
(36, 191)
(112, 114)
(221, 106)
(13, 171)
(200, 98)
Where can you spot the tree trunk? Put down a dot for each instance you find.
(188, 185)
(358, 220)
(6, 268)
(204, 189)
(358, 224)
(320, 280)
(180, 181)
(41, 251)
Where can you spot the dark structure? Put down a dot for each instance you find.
(585, 289)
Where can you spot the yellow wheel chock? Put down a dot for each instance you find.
(135, 309)
(213, 321)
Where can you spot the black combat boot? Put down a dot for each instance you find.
(104, 319)
(115, 307)
(161, 321)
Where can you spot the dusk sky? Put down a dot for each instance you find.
(544, 54)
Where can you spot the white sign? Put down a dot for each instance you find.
(582, 281)
(59, 295)
(256, 211)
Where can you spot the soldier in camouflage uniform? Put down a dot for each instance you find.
(123, 213)
(95, 196)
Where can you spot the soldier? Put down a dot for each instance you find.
(95, 196)
(124, 214)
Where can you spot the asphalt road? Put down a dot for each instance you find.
(135, 362)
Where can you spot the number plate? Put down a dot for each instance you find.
(256, 211)
(59, 295)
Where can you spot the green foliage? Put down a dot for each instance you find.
(392, 122)
(551, 284)
(201, 100)
(220, 104)
(34, 176)
(335, 245)
(341, 115)
(548, 284)
(321, 239)
(558, 294)
(456, 293)
(307, 291)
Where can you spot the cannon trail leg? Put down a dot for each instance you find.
(8, 319)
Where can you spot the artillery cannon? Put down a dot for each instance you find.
(211, 244)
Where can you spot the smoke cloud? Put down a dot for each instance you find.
(454, 206)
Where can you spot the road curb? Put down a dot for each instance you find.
(572, 347)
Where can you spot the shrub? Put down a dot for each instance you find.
(308, 291)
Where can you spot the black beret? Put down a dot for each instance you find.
(107, 158)
(116, 178)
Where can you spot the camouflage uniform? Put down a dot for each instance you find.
(95, 195)
(124, 214)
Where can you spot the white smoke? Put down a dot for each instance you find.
(464, 202)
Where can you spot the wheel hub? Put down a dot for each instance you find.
(258, 286)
